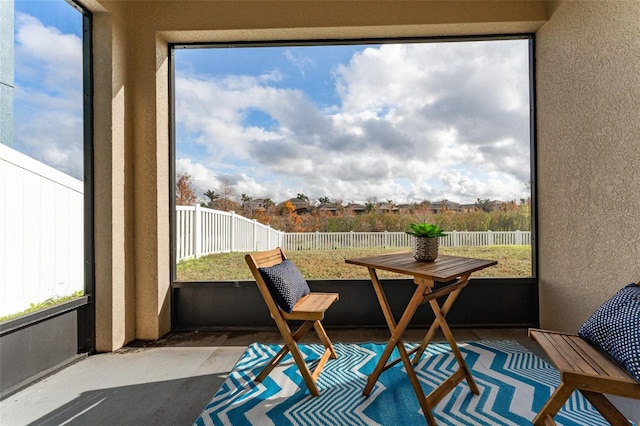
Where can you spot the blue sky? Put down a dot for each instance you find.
(355, 123)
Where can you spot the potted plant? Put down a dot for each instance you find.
(425, 241)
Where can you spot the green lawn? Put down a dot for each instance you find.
(314, 264)
(42, 305)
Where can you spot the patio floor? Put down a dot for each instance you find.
(169, 382)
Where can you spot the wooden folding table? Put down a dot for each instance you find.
(454, 272)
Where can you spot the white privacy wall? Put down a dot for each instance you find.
(41, 232)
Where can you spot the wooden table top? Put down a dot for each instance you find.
(444, 268)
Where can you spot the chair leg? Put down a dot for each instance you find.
(304, 369)
(553, 404)
(322, 334)
(299, 334)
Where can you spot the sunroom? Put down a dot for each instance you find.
(584, 62)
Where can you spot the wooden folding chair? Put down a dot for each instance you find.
(310, 309)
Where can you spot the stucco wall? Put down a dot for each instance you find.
(114, 268)
(588, 99)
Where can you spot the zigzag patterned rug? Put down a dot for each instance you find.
(513, 382)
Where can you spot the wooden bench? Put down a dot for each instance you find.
(583, 367)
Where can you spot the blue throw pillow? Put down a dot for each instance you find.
(615, 328)
(286, 283)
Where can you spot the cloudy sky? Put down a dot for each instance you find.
(48, 84)
(400, 122)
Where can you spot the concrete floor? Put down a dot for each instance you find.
(169, 382)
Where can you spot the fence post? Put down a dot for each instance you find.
(232, 232)
(489, 238)
(268, 237)
(518, 237)
(197, 237)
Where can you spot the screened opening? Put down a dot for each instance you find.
(332, 151)
(45, 129)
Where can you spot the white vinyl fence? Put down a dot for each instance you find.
(201, 231)
(346, 240)
(41, 232)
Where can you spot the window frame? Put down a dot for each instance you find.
(361, 41)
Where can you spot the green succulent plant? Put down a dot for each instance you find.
(428, 230)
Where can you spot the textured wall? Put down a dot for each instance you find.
(114, 274)
(588, 99)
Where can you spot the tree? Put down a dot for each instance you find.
(227, 201)
(262, 217)
(302, 197)
(212, 196)
(484, 205)
(324, 200)
(268, 203)
(185, 196)
(292, 222)
(246, 203)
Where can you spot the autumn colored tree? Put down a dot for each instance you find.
(262, 217)
(185, 196)
(291, 221)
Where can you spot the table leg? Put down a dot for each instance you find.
(454, 348)
(382, 300)
(440, 322)
(396, 330)
(444, 311)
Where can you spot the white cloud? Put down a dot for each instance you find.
(48, 122)
(57, 67)
(415, 122)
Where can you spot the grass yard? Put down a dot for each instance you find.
(315, 264)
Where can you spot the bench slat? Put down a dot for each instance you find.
(584, 366)
(601, 362)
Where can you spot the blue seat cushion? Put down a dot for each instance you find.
(614, 328)
(286, 284)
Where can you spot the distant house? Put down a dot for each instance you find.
(355, 208)
(387, 208)
(404, 208)
(445, 205)
(302, 206)
(258, 204)
(497, 205)
(329, 208)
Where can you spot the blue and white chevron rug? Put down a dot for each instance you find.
(513, 382)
